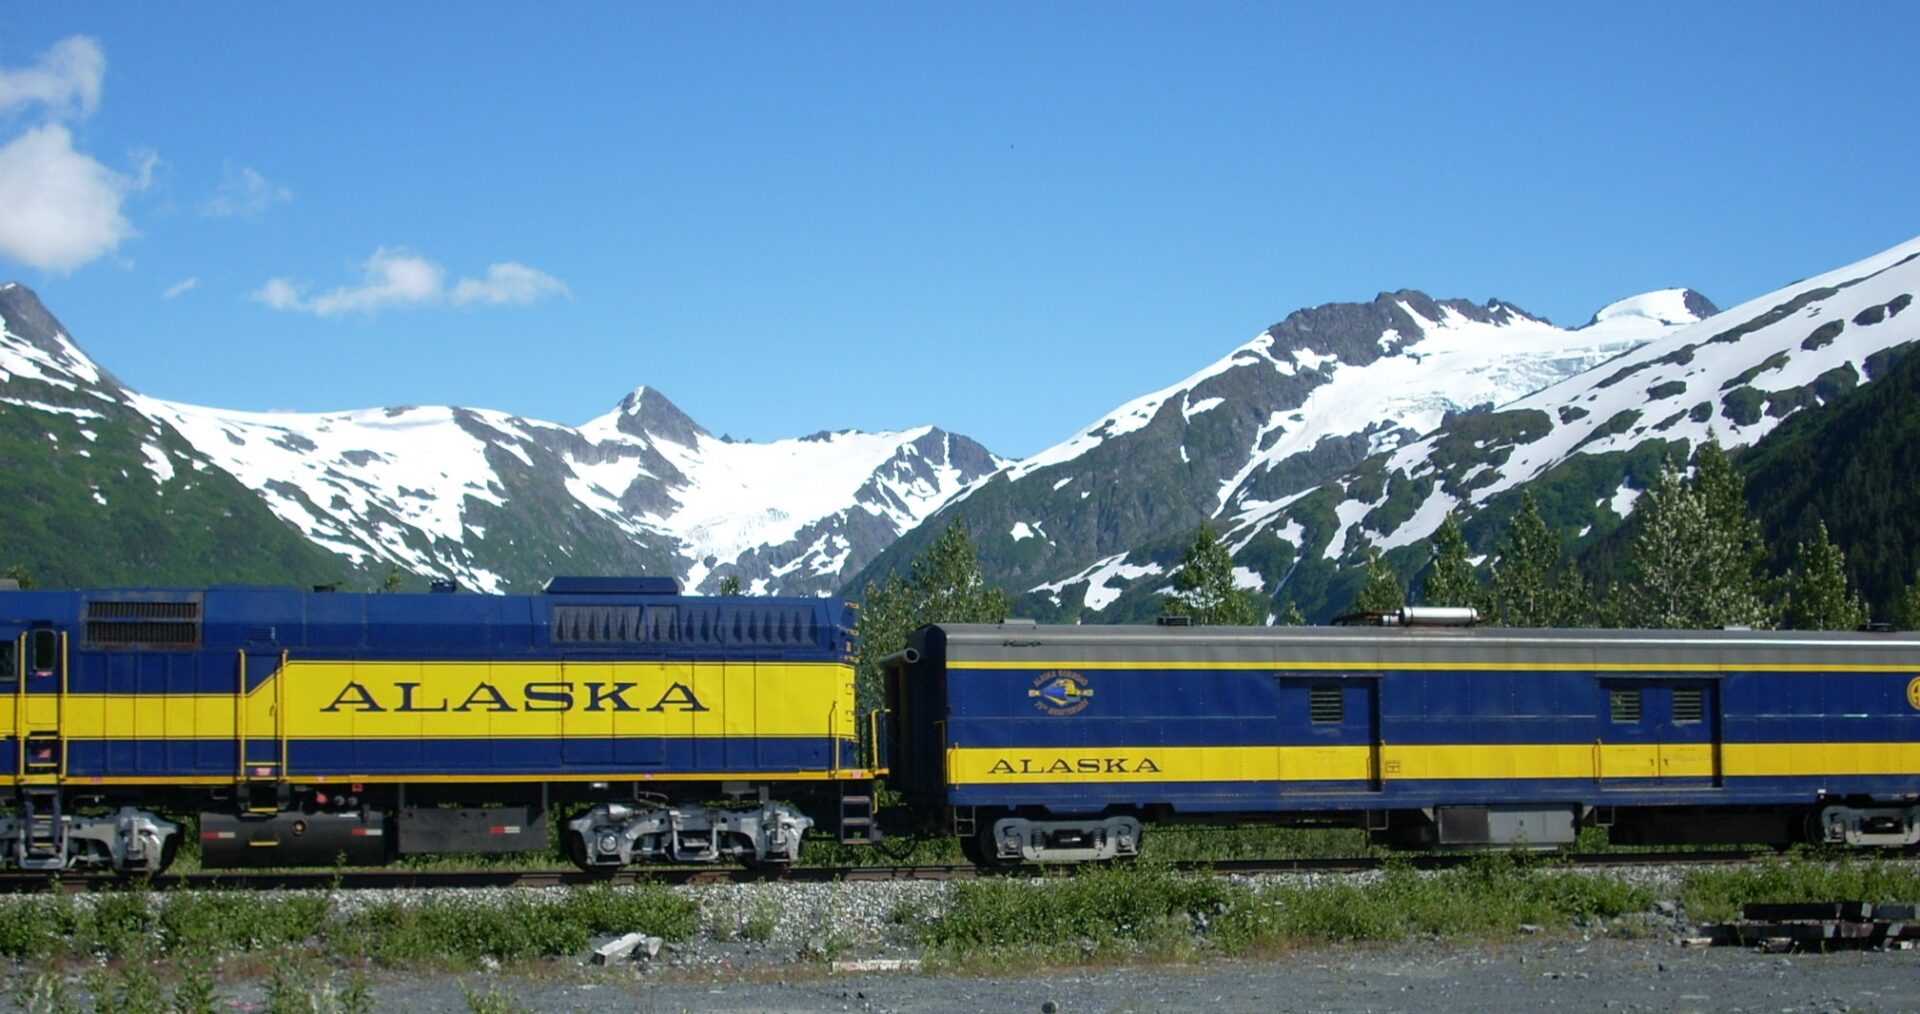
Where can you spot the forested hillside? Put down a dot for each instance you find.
(1856, 465)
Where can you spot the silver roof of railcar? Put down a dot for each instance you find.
(1017, 641)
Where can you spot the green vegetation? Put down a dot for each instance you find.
(1203, 587)
(1450, 580)
(1530, 587)
(1817, 596)
(943, 585)
(1382, 593)
(1695, 556)
(137, 923)
(1149, 907)
(1717, 895)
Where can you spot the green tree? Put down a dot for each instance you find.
(1530, 589)
(1694, 559)
(1450, 580)
(1817, 595)
(1292, 616)
(1382, 592)
(1906, 608)
(22, 576)
(730, 585)
(1203, 587)
(943, 585)
(394, 580)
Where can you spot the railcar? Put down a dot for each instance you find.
(317, 727)
(1047, 743)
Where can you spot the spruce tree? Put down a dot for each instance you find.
(1451, 581)
(1203, 586)
(1694, 560)
(1291, 616)
(1527, 591)
(1906, 608)
(943, 585)
(1817, 595)
(730, 585)
(1382, 592)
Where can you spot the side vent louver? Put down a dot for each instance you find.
(147, 624)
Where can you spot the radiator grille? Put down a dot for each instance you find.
(119, 624)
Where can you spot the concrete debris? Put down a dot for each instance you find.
(631, 946)
(877, 965)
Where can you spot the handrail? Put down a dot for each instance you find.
(280, 716)
(60, 710)
(20, 709)
(240, 717)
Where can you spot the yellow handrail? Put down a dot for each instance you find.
(240, 715)
(60, 710)
(280, 716)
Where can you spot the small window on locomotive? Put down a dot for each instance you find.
(45, 646)
(7, 671)
(1625, 705)
(1689, 704)
(1326, 705)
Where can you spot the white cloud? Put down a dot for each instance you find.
(66, 80)
(396, 278)
(186, 286)
(145, 161)
(508, 283)
(244, 194)
(61, 208)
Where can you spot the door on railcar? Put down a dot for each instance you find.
(1659, 733)
(1329, 733)
(32, 674)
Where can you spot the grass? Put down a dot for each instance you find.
(1150, 907)
(137, 924)
(1717, 895)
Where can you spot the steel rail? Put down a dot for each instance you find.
(405, 879)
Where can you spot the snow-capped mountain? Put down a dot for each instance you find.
(1305, 400)
(497, 501)
(1352, 428)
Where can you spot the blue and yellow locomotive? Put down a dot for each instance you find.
(1038, 743)
(315, 727)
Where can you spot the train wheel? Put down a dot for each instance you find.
(577, 854)
(983, 851)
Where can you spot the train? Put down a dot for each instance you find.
(632, 723)
(1040, 743)
(321, 728)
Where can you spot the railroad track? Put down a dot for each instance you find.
(392, 879)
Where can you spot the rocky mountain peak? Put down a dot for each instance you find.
(645, 412)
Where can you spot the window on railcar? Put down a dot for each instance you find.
(1326, 705)
(1689, 704)
(8, 672)
(1625, 705)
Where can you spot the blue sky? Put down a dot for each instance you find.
(1003, 219)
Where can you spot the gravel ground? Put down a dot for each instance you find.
(1533, 974)
(767, 947)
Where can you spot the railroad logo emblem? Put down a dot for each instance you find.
(1913, 693)
(1061, 692)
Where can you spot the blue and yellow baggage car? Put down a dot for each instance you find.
(310, 727)
(1043, 743)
